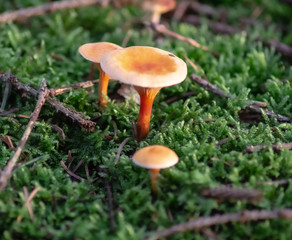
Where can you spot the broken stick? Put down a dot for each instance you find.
(7, 172)
(44, 9)
(244, 216)
(27, 90)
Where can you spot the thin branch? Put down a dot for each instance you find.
(289, 2)
(160, 28)
(259, 112)
(58, 129)
(77, 166)
(71, 173)
(182, 96)
(222, 28)
(223, 192)
(127, 38)
(181, 10)
(26, 13)
(27, 204)
(5, 96)
(8, 142)
(225, 140)
(27, 90)
(206, 9)
(61, 90)
(7, 172)
(87, 172)
(109, 197)
(124, 142)
(209, 86)
(28, 199)
(276, 147)
(244, 216)
(12, 110)
(255, 106)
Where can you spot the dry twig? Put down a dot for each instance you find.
(71, 173)
(181, 10)
(230, 193)
(26, 13)
(258, 112)
(276, 147)
(209, 86)
(160, 28)
(28, 199)
(61, 90)
(13, 110)
(109, 197)
(58, 129)
(245, 216)
(27, 90)
(182, 96)
(124, 142)
(7, 172)
(222, 28)
(8, 142)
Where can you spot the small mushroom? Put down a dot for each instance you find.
(154, 158)
(158, 7)
(94, 52)
(148, 69)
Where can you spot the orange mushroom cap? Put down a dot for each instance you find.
(161, 6)
(155, 157)
(94, 51)
(144, 67)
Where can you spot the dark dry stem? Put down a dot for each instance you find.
(160, 28)
(28, 199)
(259, 111)
(5, 96)
(124, 142)
(209, 86)
(222, 28)
(7, 172)
(27, 90)
(61, 90)
(230, 193)
(182, 96)
(71, 173)
(13, 110)
(201, 222)
(289, 2)
(225, 140)
(255, 106)
(181, 10)
(8, 142)
(109, 197)
(26, 13)
(58, 129)
(276, 147)
(77, 166)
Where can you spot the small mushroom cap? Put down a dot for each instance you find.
(94, 51)
(161, 6)
(155, 157)
(144, 67)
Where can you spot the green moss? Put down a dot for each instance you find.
(65, 208)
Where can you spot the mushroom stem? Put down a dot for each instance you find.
(154, 176)
(147, 96)
(102, 87)
(156, 17)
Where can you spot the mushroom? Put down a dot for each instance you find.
(148, 69)
(94, 52)
(158, 7)
(154, 158)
